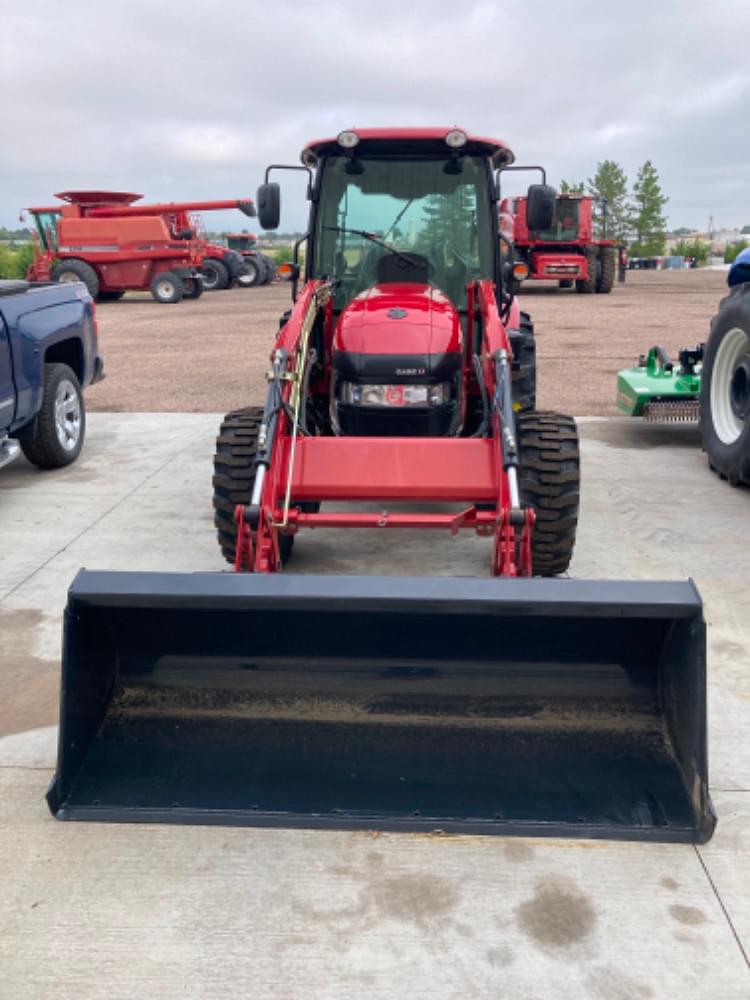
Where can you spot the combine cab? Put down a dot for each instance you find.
(565, 251)
(113, 245)
(516, 704)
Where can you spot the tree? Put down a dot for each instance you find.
(647, 220)
(732, 249)
(568, 188)
(609, 185)
(692, 248)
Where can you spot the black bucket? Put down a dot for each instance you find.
(535, 707)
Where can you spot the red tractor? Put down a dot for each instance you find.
(512, 705)
(103, 239)
(565, 251)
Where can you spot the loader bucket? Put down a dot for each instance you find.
(555, 707)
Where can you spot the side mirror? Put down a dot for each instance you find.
(269, 205)
(540, 206)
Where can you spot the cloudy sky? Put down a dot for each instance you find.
(187, 99)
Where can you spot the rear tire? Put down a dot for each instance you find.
(607, 270)
(54, 437)
(550, 483)
(234, 473)
(725, 389)
(215, 275)
(588, 284)
(77, 270)
(255, 271)
(523, 371)
(167, 287)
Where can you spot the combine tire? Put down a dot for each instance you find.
(54, 437)
(550, 483)
(167, 287)
(725, 389)
(523, 371)
(607, 270)
(215, 275)
(192, 288)
(234, 473)
(589, 284)
(255, 272)
(77, 270)
(109, 296)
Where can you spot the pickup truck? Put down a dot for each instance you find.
(48, 353)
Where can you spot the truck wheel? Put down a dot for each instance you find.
(77, 270)
(167, 287)
(523, 369)
(109, 296)
(192, 288)
(549, 482)
(215, 275)
(54, 437)
(607, 270)
(725, 389)
(234, 474)
(592, 262)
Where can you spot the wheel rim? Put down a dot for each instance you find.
(65, 277)
(67, 415)
(210, 278)
(727, 385)
(164, 289)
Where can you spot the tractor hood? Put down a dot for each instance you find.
(399, 331)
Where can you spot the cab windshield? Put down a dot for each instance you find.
(46, 226)
(565, 223)
(436, 211)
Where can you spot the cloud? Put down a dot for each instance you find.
(162, 98)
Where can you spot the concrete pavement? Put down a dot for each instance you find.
(95, 910)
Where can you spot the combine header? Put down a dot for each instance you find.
(507, 705)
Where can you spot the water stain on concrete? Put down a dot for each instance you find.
(417, 899)
(29, 685)
(517, 851)
(670, 883)
(607, 982)
(690, 915)
(558, 915)
(500, 957)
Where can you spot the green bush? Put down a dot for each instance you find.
(733, 249)
(15, 260)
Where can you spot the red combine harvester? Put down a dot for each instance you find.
(566, 251)
(507, 705)
(103, 239)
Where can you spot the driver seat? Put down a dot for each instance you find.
(411, 267)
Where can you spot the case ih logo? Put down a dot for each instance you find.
(397, 313)
(411, 371)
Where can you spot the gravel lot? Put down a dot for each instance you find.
(211, 355)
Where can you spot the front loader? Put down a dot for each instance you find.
(402, 377)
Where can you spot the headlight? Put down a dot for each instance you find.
(396, 395)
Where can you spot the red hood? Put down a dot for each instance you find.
(399, 319)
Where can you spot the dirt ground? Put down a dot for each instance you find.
(211, 355)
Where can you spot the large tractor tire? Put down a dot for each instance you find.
(215, 275)
(588, 284)
(255, 271)
(77, 270)
(523, 372)
(54, 437)
(725, 389)
(550, 483)
(167, 287)
(234, 473)
(607, 270)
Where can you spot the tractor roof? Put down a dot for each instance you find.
(409, 140)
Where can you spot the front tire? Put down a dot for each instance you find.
(77, 270)
(607, 270)
(54, 437)
(725, 389)
(549, 482)
(215, 275)
(234, 474)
